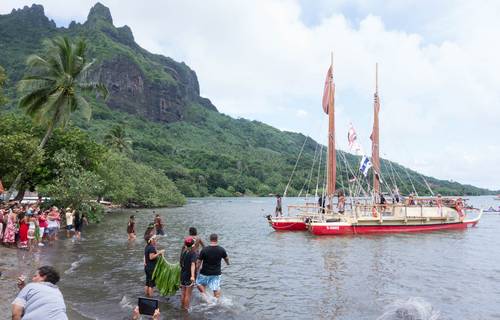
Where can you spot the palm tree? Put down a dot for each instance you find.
(52, 90)
(117, 138)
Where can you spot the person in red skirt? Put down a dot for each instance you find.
(23, 231)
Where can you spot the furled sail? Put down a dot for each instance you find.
(329, 108)
(375, 138)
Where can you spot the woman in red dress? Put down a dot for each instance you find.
(23, 232)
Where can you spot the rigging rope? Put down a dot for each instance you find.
(428, 187)
(319, 170)
(295, 167)
(308, 181)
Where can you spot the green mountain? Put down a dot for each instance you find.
(175, 130)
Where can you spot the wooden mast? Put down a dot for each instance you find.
(332, 160)
(375, 139)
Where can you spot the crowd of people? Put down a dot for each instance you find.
(29, 226)
(200, 264)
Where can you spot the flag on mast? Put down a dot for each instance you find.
(365, 165)
(352, 139)
(328, 91)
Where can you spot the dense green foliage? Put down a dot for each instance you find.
(128, 182)
(207, 153)
(117, 139)
(3, 79)
(73, 167)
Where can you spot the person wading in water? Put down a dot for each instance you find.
(210, 273)
(188, 271)
(150, 258)
(159, 226)
(131, 228)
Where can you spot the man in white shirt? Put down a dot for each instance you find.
(69, 221)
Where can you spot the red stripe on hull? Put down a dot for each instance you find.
(341, 230)
(289, 225)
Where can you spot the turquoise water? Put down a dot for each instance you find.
(438, 275)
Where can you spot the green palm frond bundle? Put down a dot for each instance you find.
(167, 276)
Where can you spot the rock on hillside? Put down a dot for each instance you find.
(141, 83)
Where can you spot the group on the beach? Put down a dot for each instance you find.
(200, 264)
(28, 226)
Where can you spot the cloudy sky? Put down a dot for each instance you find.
(439, 68)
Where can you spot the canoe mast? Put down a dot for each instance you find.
(332, 155)
(376, 140)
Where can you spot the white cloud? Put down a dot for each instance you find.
(301, 113)
(438, 77)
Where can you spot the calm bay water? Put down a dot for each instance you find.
(438, 275)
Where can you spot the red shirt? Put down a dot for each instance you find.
(42, 222)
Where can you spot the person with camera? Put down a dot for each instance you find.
(40, 299)
(136, 315)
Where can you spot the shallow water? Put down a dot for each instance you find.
(438, 275)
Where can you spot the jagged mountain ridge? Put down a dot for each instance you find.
(203, 151)
(141, 83)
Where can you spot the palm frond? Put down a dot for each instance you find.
(84, 107)
(85, 69)
(52, 112)
(94, 86)
(51, 91)
(35, 61)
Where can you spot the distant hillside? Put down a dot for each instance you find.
(172, 127)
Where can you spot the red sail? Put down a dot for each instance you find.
(328, 91)
(329, 108)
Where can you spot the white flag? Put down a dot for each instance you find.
(352, 139)
(365, 165)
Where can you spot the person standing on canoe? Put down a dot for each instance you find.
(210, 273)
(279, 210)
